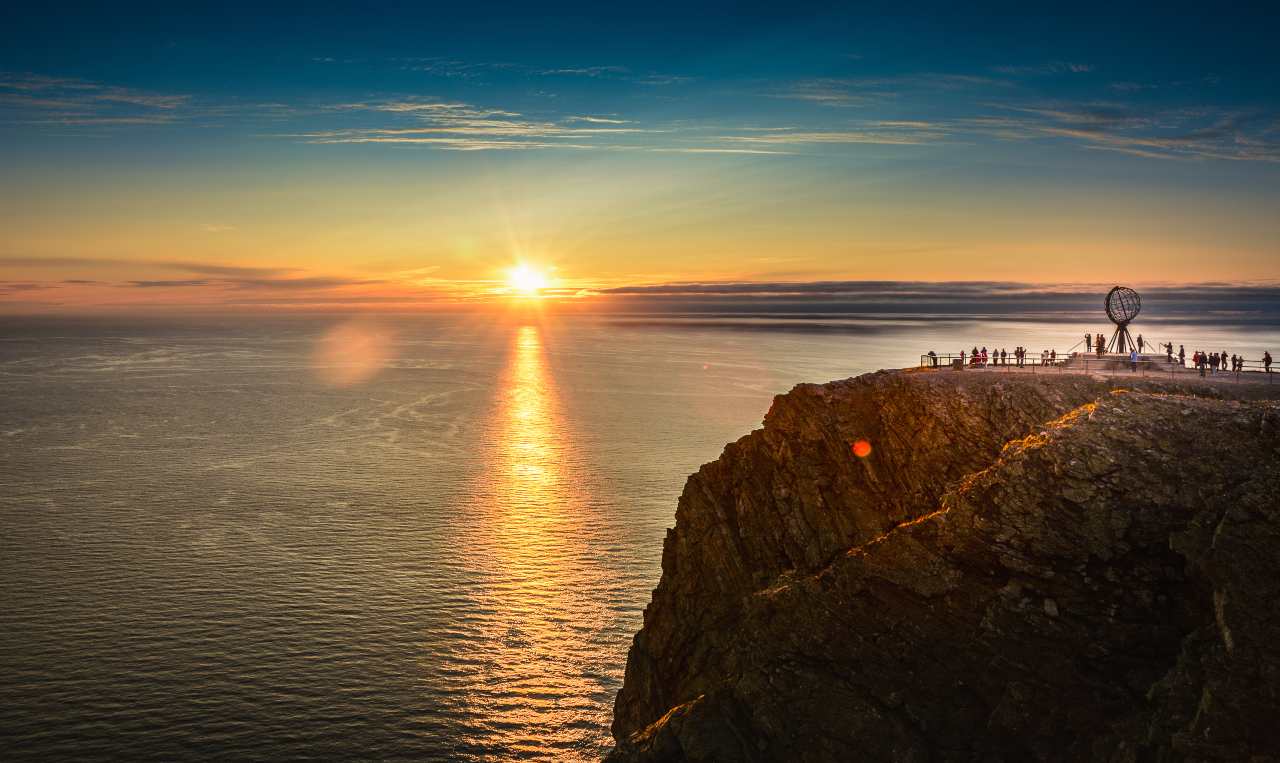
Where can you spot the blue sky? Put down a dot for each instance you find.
(643, 144)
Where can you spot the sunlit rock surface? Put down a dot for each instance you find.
(1023, 568)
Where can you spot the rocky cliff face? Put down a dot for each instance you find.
(1023, 568)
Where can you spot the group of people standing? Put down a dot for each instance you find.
(981, 357)
(1207, 363)
(1099, 344)
(1215, 362)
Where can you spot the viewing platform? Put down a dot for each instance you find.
(1106, 364)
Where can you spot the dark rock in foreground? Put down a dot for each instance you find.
(1022, 569)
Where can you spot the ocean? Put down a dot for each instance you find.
(426, 537)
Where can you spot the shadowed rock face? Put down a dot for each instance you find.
(1022, 568)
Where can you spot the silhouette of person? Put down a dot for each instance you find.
(1141, 343)
(1266, 361)
(1182, 356)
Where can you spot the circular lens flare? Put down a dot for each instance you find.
(861, 448)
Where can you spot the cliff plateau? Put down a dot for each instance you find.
(1022, 568)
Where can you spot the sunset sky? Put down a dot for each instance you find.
(331, 157)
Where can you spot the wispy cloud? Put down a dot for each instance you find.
(865, 91)
(1150, 133)
(598, 120)
(457, 126)
(1052, 67)
(198, 268)
(41, 99)
(587, 71)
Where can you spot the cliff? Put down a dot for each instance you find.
(1023, 568)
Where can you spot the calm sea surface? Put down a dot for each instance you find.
(409, 538)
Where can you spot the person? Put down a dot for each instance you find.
(1088, 341)
(1168, 350)
(1101, 344)
(1266, 361)
(1133, 359)
(984, 357)
(962, 358)
(1213, 363)
(1223, 358)
(1200, 362)
(933, 359)
(1182, 356)
(1004, 357)
(1141, 343)
(1053, 356)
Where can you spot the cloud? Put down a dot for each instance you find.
(831, 305)
(458, 126)
(199, 268)
(13, 287)
(660, 80)
(41, 99)
(165, 284)
(1158, 134)
(308, 283)
(696, 150)
(865, 91)
(901, 133)
(587, 71)
(1053, 67)
(598, 120)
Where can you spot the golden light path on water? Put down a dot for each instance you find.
(540, 618)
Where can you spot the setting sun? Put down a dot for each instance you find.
(526, 280)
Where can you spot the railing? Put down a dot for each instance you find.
(1109, 364)
(945, 361)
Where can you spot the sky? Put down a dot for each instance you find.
(408, 155)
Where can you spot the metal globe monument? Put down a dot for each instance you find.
(1123, 305)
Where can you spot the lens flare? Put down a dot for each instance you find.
(861, 448)
(351, 353)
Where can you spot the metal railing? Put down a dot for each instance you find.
(1108, 364)
(1010, 362)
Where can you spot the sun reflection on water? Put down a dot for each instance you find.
(531, 657)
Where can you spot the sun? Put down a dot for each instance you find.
(526, 280)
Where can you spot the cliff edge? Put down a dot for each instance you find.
(1023, 568)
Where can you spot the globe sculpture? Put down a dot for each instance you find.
(1123, 305)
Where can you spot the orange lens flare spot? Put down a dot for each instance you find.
(351, 353)
(861, 448)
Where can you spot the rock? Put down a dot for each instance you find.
(1021, 569)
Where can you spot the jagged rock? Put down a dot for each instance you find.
(1022, 569)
